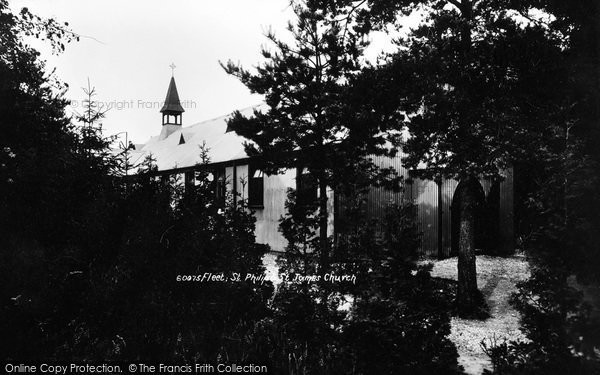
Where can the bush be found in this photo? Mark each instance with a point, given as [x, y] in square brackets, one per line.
[561, 335]
[393, 320]
[400, 319]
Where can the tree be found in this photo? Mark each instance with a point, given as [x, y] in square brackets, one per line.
[540, 58]
[393, 318]
[137, 307]
[56, 194]
[463, 77]
[400, 315]
[470, 120]
[314, 120]
[564, 190]
[36, 134]
[559, 208]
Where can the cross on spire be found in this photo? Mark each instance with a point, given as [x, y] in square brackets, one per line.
[172, 66]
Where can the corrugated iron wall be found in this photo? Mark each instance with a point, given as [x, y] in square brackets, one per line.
[424, 194]
[275, 195]
[267, 218]
[378, 197]
[434, 204]
[506, 212]
[448, 189]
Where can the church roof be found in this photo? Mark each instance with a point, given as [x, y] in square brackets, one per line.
[171, 153]
[172, 103]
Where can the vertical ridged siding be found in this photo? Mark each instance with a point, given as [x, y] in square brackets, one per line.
[378, 197]
[424, 194]
[506, 212]
[448, 189]
[267, 218]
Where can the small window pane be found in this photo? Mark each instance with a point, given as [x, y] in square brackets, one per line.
[256, 188]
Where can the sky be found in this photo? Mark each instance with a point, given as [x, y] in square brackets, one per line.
[128, 46]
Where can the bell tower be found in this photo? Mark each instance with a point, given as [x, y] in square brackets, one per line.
[171, 110]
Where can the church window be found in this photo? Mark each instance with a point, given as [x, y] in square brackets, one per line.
[220, 186]
[307, 187]
[256, 188]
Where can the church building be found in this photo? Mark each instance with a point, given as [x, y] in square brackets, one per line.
[177, 151]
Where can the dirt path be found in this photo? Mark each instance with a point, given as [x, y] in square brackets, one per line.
[496, 278]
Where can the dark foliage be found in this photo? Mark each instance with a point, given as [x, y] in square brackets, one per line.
[561, 332]
[89, 260]
[125, 302]
[558, 208]
[400, 318]
[152, 316]
[392, 319]
[315, 117]
[495, 83]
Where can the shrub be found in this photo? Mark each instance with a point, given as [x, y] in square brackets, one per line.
[393, 320]
[561, 335]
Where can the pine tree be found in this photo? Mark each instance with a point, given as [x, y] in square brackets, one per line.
[314, 118]
[474, 105]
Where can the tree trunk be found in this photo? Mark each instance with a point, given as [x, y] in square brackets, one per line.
[467, 273]
[323, 216]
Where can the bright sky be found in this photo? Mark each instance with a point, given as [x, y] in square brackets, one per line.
[130, 45]
[138, 40]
